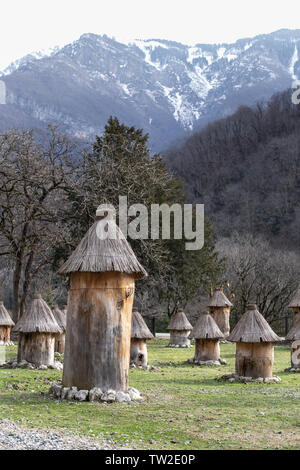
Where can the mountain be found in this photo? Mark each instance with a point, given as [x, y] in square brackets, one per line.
[167, 88]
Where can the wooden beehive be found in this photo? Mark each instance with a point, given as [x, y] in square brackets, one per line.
[219, 307]
[294, 336]
[5, 326]
[37, 329]
[61, 319]
[295, 305]
[140, 333]
[180, 329]
[254, 340]
[102, 271]
[207, 335]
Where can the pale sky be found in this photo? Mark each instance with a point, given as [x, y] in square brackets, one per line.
[30, 25]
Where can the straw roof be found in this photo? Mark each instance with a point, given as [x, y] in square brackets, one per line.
[253, 328]
[179, 322]
[295, 302]
[139, 329]
[95, 253]
[60, 317]
[5, 319]
[219, 299]
[294, 332]
[38, 318]
[206, 328]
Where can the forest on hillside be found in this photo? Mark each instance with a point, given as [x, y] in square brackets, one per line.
[246, 170]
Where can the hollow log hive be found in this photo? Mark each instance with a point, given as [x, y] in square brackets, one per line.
[254, 340]
[180, 329]
[61, 319]
[102, 271]
[140, 333]
[207, 335]
[5, 326]
[294, 336]
[219, 307]
[37, 329]
[295, 305]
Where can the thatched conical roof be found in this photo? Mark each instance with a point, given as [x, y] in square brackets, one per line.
[253, 328]
[5, 319]
[38, 318]
[179, 322]
[102, 249]
[206, 328]
[60, 317]
[295, 302]
[294, 332]
[219, 299]
[139, 329]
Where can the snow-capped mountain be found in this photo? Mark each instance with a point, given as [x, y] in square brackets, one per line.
[164, 87]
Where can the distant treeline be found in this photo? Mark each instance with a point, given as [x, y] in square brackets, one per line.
[246, 170]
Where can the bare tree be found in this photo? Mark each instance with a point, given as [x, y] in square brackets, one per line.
[259, 273]
[33, 180]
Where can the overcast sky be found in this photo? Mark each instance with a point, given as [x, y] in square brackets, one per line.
[28, 25]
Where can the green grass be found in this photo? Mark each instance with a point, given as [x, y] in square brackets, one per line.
[185, 408]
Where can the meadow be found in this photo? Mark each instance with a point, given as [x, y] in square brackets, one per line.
[184, 406]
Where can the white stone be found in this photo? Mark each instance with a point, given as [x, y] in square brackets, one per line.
[95, 394]
[64, 392]
[43, 367]
[82, 395]
[71, 393]
[122, 397]
[109, 396]
[134, 394]
[55, 390]
[23, 364]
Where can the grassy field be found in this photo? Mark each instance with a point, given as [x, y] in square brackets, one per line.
[185, 408]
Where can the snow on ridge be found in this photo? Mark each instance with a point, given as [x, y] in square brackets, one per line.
[147, 47]
[183, 111]
[32, 56]
[294, 59]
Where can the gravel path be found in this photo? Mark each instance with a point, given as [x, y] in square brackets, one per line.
[14, 437]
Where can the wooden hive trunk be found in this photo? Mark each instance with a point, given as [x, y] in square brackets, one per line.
[295, 354]
[5, 334]
[221, 315]
[138, 352]
[180, 337]
[37, 348]
[296, 315]
[254, 359]
[97, 349]
[60, 339]
[207, 350]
